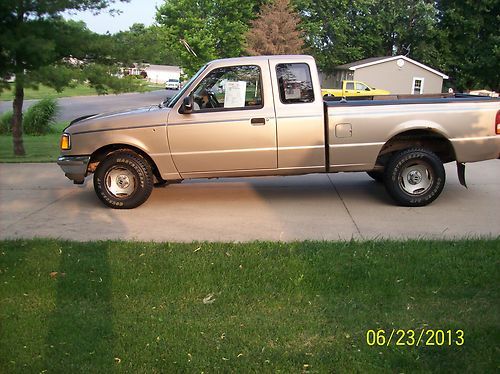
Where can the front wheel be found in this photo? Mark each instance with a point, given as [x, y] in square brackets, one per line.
[414, 177]
[123, 180]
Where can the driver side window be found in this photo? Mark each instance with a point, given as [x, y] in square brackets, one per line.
[232, 87]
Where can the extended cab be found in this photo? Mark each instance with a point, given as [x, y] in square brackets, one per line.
[265, 115]
[352, 89]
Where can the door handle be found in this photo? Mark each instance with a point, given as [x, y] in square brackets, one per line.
[258, 121]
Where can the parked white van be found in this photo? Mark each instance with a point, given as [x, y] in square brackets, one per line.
[172, 84]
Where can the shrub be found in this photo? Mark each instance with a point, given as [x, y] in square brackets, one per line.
[39, 117]
[6, 122]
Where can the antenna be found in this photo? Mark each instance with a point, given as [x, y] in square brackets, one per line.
[407, 50]
[188, 47]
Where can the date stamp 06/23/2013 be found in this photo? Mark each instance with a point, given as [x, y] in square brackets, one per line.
[415, 338]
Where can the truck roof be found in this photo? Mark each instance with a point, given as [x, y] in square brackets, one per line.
[250, 59]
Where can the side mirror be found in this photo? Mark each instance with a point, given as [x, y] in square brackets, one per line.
[187, 104]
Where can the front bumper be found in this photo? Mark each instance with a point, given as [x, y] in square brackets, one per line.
[74, 167]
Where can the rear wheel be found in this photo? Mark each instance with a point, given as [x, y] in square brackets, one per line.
[414, 177]
[123, 180]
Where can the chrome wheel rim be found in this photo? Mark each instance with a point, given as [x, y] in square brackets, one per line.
[416, 179]
[120, 182]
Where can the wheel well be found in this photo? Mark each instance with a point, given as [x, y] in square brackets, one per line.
[427, 139]
[102, 152]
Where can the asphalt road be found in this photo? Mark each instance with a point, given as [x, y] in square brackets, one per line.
[36, 200]
[74, 107]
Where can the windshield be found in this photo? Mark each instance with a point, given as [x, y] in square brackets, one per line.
[170, 103]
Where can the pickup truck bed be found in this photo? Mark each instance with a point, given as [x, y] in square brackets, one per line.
[265, 115]
[359, 139]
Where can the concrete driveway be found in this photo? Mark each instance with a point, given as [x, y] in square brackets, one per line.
[36, 200]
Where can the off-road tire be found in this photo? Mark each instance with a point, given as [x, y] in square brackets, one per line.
[126, 169]
[414, 177]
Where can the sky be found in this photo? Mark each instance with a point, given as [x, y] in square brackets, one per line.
[136, 11]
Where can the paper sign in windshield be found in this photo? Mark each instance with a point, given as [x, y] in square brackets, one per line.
[235, 94]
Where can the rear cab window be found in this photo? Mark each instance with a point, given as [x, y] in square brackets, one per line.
[295, 83]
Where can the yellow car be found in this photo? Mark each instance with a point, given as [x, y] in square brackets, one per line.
[353, 88]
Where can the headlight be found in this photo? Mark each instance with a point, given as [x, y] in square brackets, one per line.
[65, 142]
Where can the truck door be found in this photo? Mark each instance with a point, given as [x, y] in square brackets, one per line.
[349, 89]
[299, 115]
[233, 124]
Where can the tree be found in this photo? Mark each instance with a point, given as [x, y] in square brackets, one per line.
[275, 31]
[405, 26]
[143, 44]
[38, 46]
[335, 30]
[457, 37]
[202, 30]
[340, 31]
[470, 42]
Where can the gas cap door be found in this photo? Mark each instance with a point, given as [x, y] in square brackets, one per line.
[343, 130]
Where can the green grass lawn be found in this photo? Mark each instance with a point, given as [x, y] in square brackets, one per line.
[47, 92]
[43, 148]
[257, 307]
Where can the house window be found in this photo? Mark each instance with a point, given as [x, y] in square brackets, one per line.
[418, 86]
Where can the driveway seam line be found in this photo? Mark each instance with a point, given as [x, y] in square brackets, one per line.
[345, 206]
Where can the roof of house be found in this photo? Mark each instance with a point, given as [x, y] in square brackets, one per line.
[379, 60]
[360, 62]
[162, 68]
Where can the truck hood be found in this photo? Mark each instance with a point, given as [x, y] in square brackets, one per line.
[146, 116]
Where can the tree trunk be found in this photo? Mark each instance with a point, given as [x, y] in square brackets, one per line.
[17, 120]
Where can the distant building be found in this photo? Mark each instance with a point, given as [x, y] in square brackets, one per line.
[134, 69]
[397, 74]
[154, 73]
[162, 73]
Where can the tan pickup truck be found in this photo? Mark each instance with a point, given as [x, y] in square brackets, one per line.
[256, 116]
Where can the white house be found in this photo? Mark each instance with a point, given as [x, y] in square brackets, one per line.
[161, 73]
